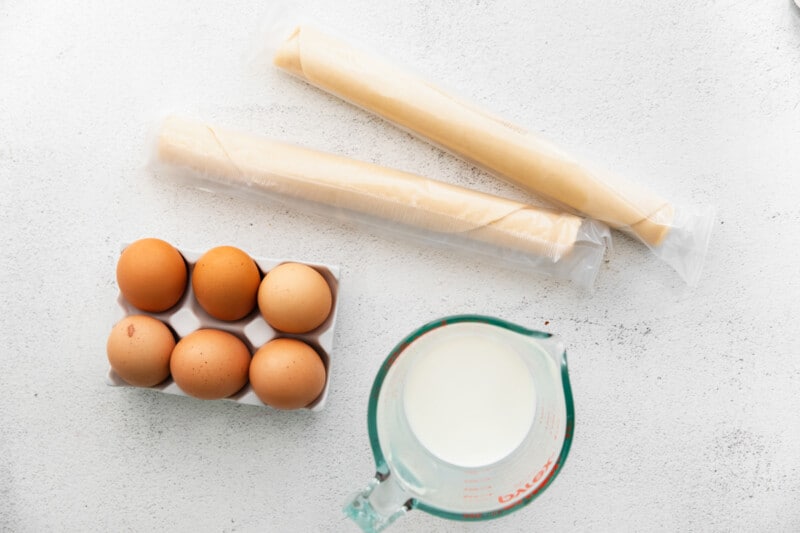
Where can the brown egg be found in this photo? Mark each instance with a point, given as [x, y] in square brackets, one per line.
[139, 348]
[294, 298]
[151, 275]
[225, 282]
[210, 364]
[287, 374]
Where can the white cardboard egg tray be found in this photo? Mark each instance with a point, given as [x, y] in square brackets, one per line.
[187, 316]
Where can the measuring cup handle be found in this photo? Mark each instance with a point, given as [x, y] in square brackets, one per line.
[379, 504]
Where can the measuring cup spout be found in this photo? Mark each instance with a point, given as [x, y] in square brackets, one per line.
[379, 504]
[555, 348]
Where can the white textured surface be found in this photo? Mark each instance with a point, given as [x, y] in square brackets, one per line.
[688, 402]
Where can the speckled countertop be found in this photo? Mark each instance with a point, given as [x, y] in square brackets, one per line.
[687, 401]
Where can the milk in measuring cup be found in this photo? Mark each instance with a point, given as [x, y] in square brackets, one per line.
[470, 418]
[470, 401]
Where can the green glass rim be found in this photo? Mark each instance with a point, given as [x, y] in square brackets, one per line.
[372, 427]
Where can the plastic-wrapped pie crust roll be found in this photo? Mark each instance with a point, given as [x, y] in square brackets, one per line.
[500, 147]
[555, 243]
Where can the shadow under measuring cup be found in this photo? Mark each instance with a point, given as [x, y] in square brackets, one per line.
[470, 418]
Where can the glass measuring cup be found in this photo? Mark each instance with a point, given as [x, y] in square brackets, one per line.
[469, 418]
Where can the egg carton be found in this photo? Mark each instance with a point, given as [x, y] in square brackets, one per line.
[187, 316]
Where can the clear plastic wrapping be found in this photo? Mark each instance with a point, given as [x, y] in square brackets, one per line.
[546, 241]
[677, 235]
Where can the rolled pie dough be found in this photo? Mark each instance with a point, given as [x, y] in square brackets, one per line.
[497, 146]
[278, 168]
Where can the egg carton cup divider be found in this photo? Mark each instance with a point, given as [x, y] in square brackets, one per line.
[187, 316]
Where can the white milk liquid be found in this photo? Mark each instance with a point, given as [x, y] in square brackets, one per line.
[469, 398]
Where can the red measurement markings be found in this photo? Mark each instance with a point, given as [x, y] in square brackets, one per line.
[478, 480]
[538, 479]
[477, 489]
[393, 357]
[477, 492]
